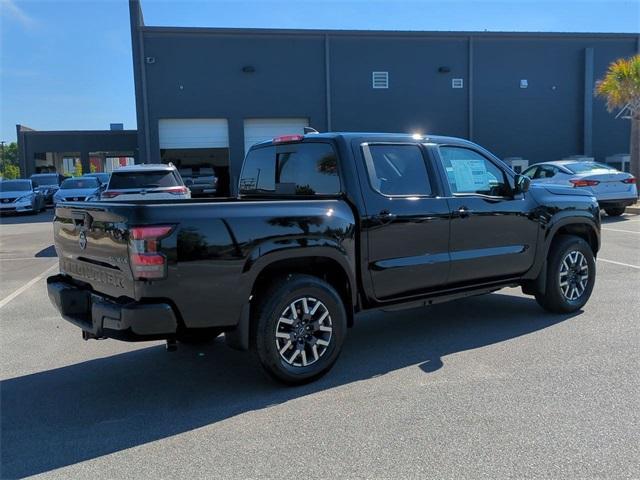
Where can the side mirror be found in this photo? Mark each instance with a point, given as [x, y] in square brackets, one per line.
[522, 183]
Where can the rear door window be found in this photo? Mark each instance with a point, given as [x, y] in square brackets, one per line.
[297, 169]
[397, 170]
[138, 180]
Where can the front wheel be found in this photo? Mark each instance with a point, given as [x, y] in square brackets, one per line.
[571, 274]
[298, 329]
[615, 211]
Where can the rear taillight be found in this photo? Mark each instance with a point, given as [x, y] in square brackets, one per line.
[177, 190]
[110, 194]
[629, 180]
[288, 138]
[584, 183]
[147, 262]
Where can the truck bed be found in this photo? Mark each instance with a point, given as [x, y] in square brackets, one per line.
[213, 253]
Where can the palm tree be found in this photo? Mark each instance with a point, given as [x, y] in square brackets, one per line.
[621, 88]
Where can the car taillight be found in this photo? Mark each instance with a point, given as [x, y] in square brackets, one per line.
[177, 190]
[629, 180]
[110, 194]
[144, 252]
[584, 183]
[288, 138]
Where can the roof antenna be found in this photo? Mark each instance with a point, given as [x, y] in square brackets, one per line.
[309, 130]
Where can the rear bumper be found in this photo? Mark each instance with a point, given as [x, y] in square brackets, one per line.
[101, 317]
[619, 202]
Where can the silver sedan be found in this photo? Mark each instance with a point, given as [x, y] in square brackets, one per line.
[614, 190]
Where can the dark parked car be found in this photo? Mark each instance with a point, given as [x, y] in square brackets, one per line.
[201, 180]
[49, 184]
[325, 226]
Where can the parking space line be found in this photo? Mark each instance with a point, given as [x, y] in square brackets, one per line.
[23, 258]
[619, 230]
[26, 286]
[618, 263]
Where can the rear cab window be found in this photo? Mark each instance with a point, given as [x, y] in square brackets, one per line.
[137, 180]
[297, 169]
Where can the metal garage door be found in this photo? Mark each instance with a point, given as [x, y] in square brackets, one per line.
[260, 129]
[193, 133]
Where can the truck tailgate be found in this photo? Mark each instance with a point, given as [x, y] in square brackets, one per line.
[92, 246]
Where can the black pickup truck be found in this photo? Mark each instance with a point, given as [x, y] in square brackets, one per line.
[324, 226]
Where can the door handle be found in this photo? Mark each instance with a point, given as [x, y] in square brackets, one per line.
[385, 216]
[464, 212]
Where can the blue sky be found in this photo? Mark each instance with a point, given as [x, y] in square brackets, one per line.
[67, 64]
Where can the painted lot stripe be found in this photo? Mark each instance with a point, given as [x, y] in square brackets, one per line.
[619, 230]
[26, 286]
[618, 263]
[22, 259]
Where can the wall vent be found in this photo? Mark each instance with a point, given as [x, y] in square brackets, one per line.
[150, 59]
[380, 79]
[457, 83]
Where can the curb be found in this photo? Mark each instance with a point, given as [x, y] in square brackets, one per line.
[633, 209]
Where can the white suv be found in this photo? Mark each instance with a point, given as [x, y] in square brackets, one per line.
[145, 182]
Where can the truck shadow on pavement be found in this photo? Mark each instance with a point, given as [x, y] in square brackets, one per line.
[76, 413]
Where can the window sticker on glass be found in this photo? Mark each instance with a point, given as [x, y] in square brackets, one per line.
[470, 175]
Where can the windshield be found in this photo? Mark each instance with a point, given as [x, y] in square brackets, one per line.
[75, 183]
[587, 167]
[125, 180]
[15, 186]
[45, 179]
[103, 177]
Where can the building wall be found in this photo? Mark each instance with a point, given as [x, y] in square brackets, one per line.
[197, 76]
[31, 142]
[326, 77]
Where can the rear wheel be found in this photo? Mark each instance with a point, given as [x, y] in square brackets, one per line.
[571, 273]
[298, 329]
[615, 211]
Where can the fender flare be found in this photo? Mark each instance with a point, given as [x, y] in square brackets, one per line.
[536, 278]
[238, 338]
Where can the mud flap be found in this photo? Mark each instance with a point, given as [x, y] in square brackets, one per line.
[238, 338]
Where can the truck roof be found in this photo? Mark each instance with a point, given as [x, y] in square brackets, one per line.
[422, 138]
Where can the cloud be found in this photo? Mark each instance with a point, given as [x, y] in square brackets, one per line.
[13, 11]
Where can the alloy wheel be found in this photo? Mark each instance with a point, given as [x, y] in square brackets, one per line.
[574, 275]
[303, 332]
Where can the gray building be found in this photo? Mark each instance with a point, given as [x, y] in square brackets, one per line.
[206, 94]
[59, 151]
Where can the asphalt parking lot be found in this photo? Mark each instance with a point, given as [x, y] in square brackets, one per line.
[488, 387]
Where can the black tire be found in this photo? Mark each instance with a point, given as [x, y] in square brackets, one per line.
[615, 211]
[554, 299]
[267, 321]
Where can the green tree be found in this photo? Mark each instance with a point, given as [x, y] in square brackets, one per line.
[621, 89]
[77, 169]
[10, 153]
[9, 165]
[10, 171]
